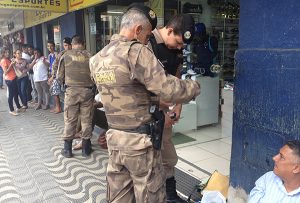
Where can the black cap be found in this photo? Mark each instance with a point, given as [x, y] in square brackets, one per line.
[188, 28]
[148, 12]
[67, 40]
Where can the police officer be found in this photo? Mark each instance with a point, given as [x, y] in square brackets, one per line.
[131, 81]
[167, 43]
[74, 71]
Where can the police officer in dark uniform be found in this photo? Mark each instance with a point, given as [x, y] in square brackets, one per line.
[167, 43]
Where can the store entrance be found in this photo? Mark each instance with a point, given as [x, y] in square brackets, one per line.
[54, 34]
[206, 123]
[103, 21]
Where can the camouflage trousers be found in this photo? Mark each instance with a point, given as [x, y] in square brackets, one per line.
[168, 153]
[134, 171]
[78, 103]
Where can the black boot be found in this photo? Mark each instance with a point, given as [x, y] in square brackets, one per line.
[67, 150]
[86, 147]
[172, 196]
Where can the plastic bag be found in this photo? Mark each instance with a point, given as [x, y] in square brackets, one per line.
[213, 197]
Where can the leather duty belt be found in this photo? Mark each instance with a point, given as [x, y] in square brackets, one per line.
[91, 87]
[143, 129]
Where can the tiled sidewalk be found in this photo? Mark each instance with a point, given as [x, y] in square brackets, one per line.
[33, 170]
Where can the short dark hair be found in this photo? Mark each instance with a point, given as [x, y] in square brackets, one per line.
[24, 46]
[4, 49]
[67, 40]
[176, 23]
[76, 39]
[184, 25]
[51, 42]
[295, 146]
[39, 51]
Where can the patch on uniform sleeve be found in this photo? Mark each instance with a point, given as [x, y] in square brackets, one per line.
[105, 77]
[187, 35]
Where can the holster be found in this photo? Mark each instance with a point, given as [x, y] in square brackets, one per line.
[157, 128]
[154, 128]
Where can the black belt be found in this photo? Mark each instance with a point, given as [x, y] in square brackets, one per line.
[143, 129]
[91, 87]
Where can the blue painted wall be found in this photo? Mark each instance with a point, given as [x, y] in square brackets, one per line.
[37, 37]
[68, 25]
[267, 87]
[79, 21]
[71, 24]
[29, 39]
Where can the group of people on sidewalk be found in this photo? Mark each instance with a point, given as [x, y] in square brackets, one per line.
[137, 75]
[142, 100]
[31, 77]
[131, 80]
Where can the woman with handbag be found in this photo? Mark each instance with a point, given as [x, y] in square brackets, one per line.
[20, 67]
[11, 82]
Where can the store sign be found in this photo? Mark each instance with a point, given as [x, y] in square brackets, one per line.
[32, 18]
[41, 5]
[80, 4]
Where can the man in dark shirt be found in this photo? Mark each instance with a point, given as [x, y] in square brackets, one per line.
[167, 43]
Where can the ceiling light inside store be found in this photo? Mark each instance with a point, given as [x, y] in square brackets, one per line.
[115, 12]
[113, 9]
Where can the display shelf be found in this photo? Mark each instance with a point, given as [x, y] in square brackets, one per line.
[228, 35]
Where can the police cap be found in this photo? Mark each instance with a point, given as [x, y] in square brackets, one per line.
[188, 28]
[148, 12]
[67, 40]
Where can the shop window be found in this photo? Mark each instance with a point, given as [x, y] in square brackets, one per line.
[221, 19]
[57, 37]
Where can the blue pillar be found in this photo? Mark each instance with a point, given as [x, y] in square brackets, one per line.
[267, 87]
[68, 25]
[79, 23]
[37, 36]
[29, 36]
[71, 24]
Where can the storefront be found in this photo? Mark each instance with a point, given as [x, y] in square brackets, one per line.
[98, 20]
[12, 30]
[101, 22]
[221, 19]
[37, 32]
[26, 19]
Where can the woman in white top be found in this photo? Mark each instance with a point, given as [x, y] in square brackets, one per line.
[40, 76]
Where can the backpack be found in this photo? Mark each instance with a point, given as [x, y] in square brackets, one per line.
[206, 52]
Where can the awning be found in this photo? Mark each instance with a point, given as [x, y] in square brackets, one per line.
[80, 4]
[36, 12]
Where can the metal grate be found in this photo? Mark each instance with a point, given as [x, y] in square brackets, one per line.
[185, 184]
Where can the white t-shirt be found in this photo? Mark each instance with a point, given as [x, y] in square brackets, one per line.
[40, 70]
[26, 57]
